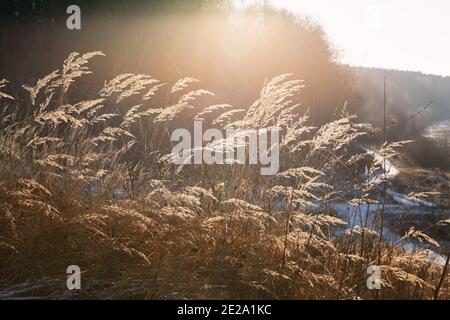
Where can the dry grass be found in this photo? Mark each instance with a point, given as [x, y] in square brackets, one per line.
[89, 183]
[421, 180]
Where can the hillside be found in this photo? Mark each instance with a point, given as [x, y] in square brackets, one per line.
[406, 93]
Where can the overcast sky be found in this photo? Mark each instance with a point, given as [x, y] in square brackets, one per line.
[397, 34]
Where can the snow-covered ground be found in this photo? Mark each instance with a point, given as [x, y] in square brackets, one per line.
[363, 215]
[439, 130]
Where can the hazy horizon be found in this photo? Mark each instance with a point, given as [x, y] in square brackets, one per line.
[371, 33]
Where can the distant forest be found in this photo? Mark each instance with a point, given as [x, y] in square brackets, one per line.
[406, 94]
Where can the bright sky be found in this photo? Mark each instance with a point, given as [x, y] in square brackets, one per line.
[409, 35]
